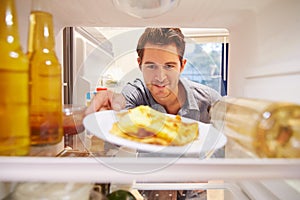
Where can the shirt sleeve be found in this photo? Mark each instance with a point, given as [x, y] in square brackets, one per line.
[135, 94]
[214, 95]
[205, 97]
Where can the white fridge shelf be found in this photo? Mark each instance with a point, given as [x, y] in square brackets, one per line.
[144, 170]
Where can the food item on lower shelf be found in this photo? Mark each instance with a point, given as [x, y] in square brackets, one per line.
[120, 195]
[146, 125]
[51, 191]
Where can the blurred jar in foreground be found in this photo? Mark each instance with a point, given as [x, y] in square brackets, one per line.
[14, 109]
[73, 128]
[45, 81]
[52, 191]
[266, 128]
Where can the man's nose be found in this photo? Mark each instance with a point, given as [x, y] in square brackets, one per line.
[160, 74]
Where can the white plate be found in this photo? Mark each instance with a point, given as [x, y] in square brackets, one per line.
[209, 139]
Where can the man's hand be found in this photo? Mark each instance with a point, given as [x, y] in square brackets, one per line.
[106, 100]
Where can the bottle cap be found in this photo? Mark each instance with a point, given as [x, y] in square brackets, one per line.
[100, 89]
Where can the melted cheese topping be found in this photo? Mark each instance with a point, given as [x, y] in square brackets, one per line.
[146, 125]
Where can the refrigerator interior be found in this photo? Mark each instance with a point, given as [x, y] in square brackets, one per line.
[106, 57]
[263, 62]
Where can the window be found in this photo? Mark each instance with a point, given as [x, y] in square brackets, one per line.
[207, 55]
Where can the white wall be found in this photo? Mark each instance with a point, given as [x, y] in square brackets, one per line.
[265, 54]
[242, 42]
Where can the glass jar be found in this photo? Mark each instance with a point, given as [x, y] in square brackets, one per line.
[52, 191]
[266, 128]
[74, 131]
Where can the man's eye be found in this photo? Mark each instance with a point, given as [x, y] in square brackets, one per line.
[150, 66]
[168, 67]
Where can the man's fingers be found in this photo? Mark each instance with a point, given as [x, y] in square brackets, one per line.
[99, 102]
[106, 100]
[118, 102]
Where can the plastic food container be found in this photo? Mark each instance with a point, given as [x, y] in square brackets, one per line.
[74, 131]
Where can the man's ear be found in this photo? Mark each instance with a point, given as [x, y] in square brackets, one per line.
[139, 60]
[183, 62]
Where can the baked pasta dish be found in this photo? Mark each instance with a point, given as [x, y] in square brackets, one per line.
[146, 125]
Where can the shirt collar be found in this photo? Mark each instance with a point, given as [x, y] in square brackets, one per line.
[191, 103]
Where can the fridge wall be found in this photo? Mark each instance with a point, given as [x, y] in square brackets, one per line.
[264, 60]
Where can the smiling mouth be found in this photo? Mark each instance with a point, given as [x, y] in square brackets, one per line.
[159, 86]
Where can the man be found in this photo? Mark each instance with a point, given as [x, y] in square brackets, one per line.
[160, 58]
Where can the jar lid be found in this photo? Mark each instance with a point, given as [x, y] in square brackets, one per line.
[100, 89]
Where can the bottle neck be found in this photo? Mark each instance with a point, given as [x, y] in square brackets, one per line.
[41, 36]
[9, 34]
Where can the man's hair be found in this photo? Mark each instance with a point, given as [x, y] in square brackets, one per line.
[162, 36]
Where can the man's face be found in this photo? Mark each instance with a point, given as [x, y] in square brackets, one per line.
[161, 69]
